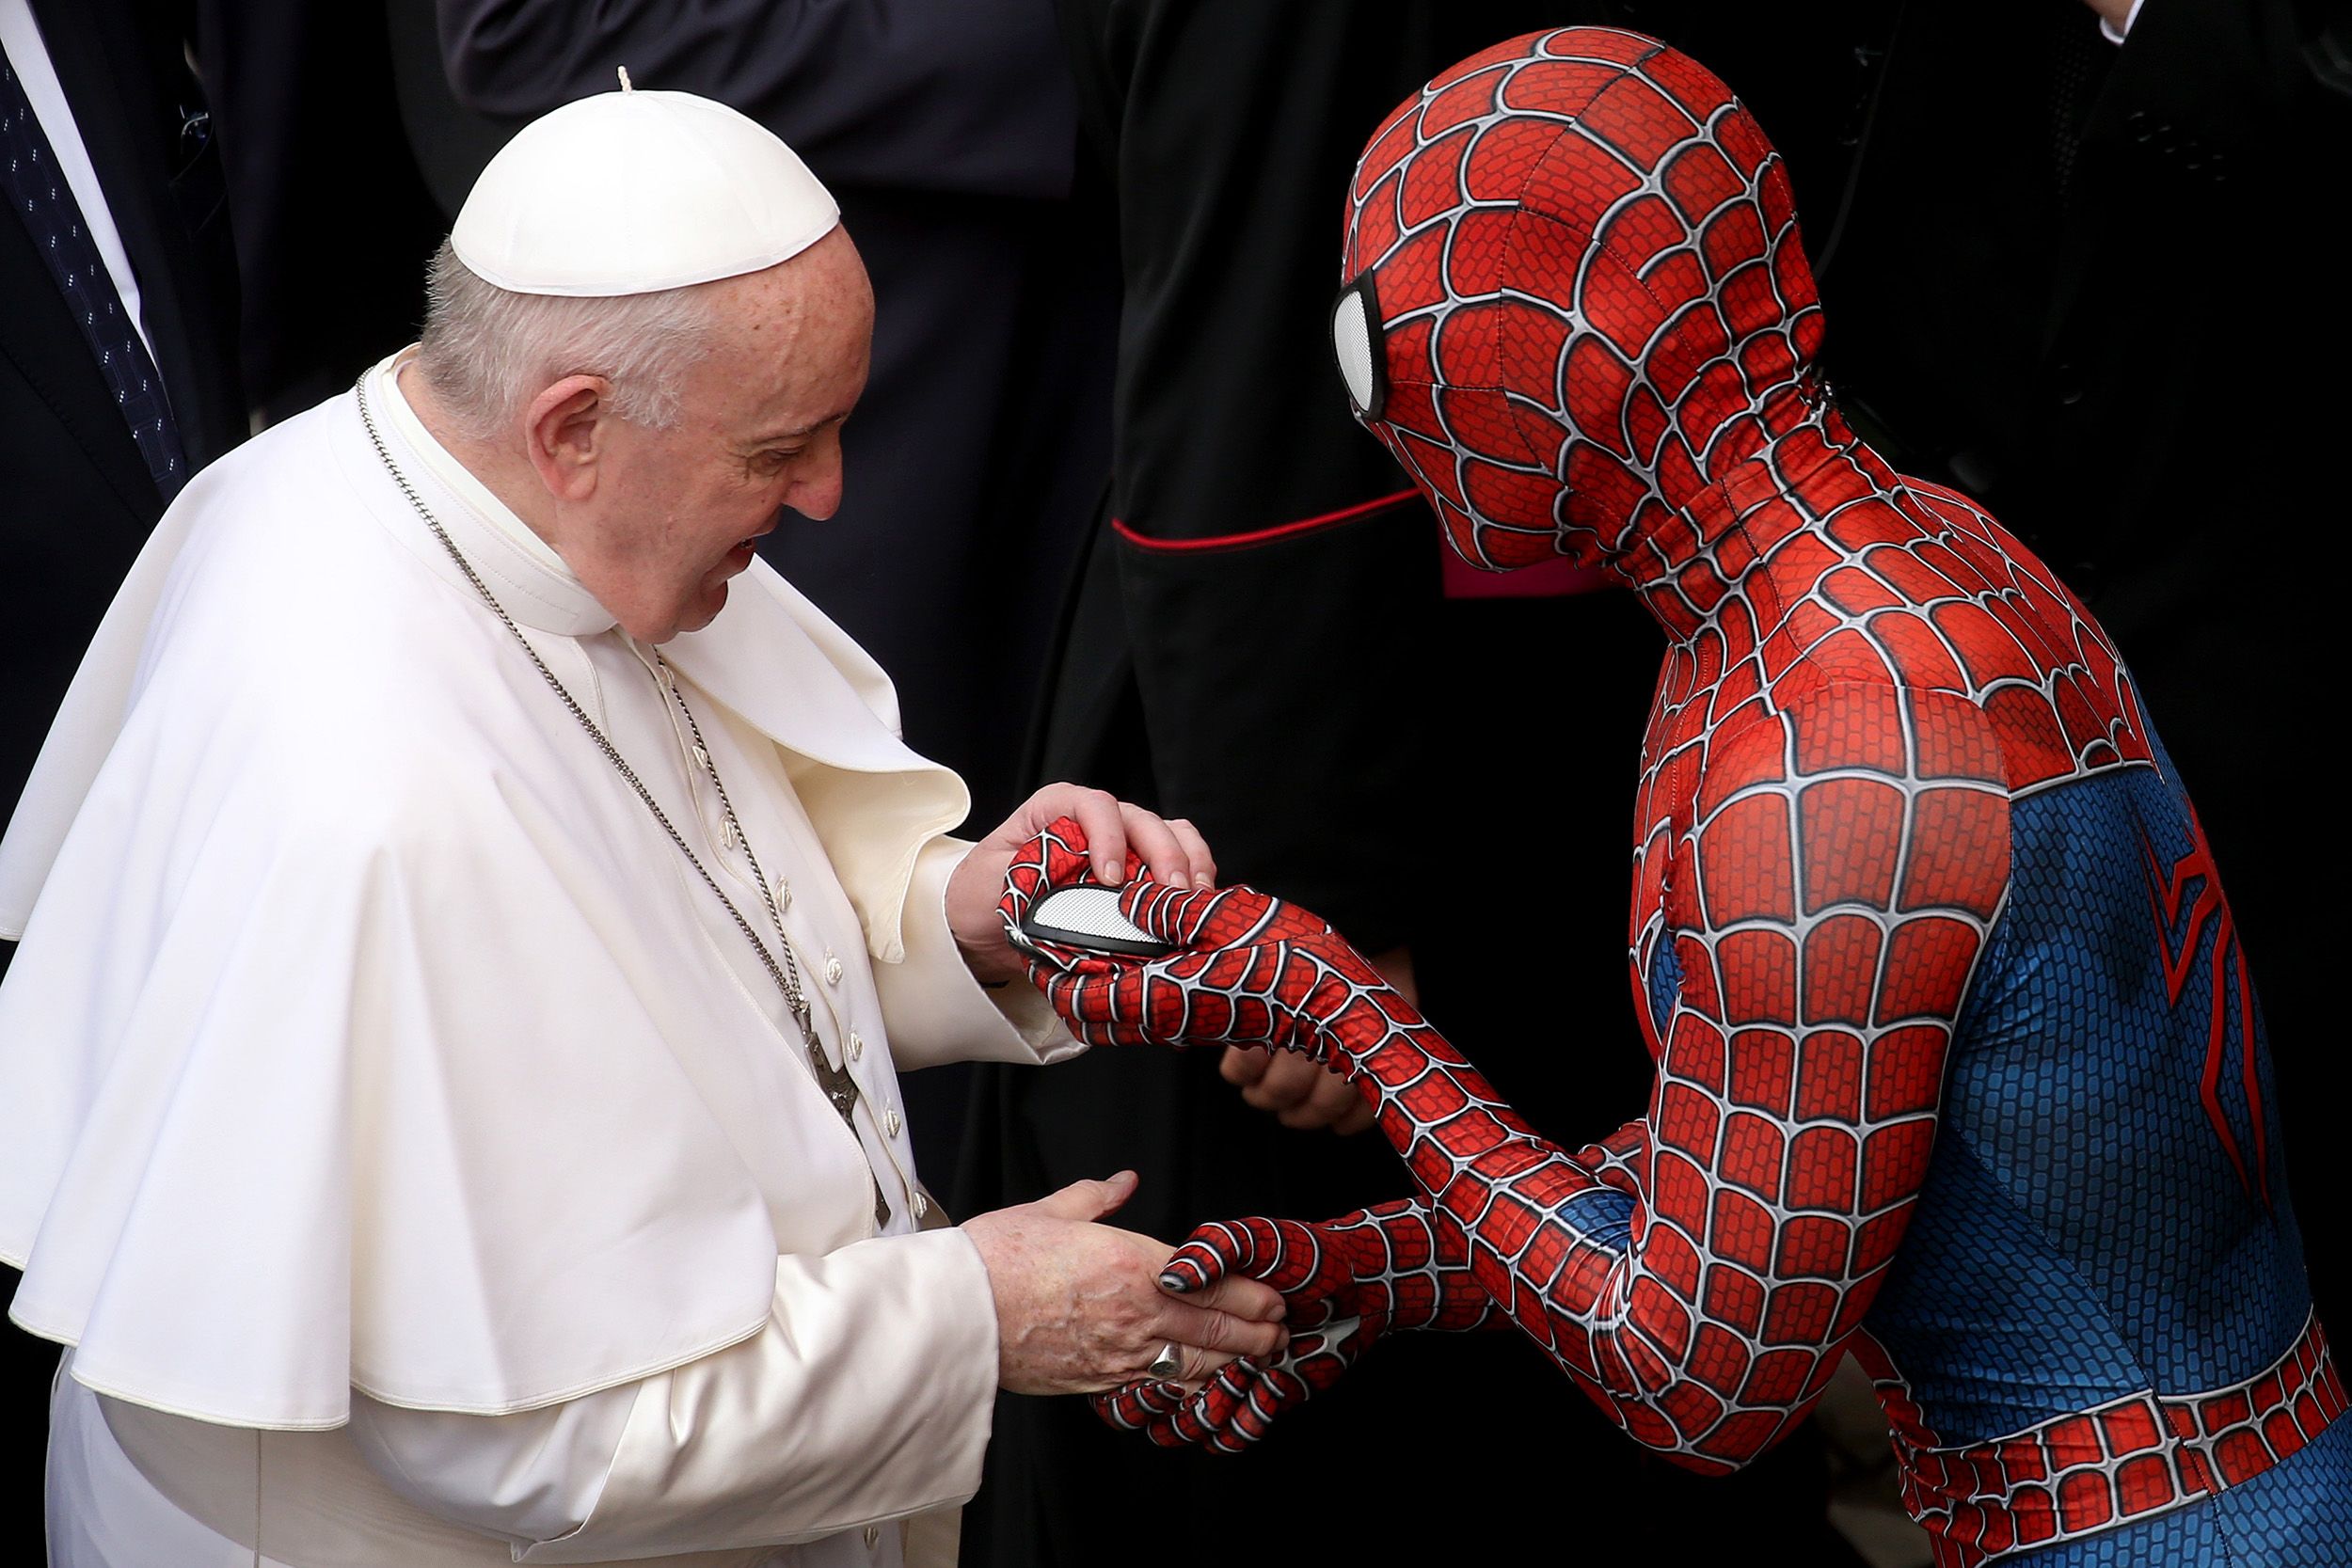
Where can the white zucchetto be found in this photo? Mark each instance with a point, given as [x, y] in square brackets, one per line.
[631, 193]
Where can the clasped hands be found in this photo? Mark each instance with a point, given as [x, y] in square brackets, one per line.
[1083, 1307]
[1249, 970]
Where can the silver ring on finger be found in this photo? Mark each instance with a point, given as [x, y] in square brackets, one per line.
[1166, 1364]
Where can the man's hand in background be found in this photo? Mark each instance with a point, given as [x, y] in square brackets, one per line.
[1294, 1088]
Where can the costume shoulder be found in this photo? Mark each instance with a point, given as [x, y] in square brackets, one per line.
[333, 1055]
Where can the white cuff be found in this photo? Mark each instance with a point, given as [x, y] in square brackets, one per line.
[2113, 34]
[933, 1008]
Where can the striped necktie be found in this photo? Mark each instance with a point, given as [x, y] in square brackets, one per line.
[36, 189]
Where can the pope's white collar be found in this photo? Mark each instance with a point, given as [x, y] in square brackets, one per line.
[530, 580]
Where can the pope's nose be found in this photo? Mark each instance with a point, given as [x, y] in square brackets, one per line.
[818, 495]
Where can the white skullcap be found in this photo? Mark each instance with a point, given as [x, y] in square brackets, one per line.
[629, 193]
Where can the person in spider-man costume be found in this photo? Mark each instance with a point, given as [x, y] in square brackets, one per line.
[1959, 1064]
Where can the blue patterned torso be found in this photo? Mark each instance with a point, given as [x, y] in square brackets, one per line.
[2090, 1226]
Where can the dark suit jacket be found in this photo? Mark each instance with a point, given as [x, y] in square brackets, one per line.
[333, 221]
[75, 498]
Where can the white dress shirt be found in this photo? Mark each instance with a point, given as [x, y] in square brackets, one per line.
[2113, 34]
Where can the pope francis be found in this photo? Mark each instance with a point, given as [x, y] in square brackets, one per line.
[472, 914]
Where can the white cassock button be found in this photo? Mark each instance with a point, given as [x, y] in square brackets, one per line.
[857, 1045]
[833, 969]
[922, 1206]
[873, 1534]
[891, 1124]
[702, 759]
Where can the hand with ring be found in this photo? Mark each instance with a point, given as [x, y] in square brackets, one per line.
[1080, 1306]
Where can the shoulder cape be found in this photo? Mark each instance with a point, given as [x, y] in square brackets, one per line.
[339, 1050]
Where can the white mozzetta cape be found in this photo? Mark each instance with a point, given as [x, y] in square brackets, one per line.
[366, 1031]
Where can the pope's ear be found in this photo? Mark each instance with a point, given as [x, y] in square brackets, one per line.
[561, 431]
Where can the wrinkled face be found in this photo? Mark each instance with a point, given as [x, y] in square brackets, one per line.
[675, 512]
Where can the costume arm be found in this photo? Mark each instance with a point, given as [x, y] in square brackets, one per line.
[1833, 875]
[866, 1396]
[1618, 1159]
[972, 97]
[1348, 1283]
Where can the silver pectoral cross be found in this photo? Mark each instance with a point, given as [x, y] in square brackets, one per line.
[838, 1085]
[841, 1089]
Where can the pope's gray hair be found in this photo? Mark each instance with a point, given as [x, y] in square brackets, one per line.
[487, 351]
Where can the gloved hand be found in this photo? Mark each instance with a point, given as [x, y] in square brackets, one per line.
[1249, 969]
[1347, 1283]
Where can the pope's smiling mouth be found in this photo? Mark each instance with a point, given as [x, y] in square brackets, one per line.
[751, 541]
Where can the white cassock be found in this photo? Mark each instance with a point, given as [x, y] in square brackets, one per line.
[421, 1162]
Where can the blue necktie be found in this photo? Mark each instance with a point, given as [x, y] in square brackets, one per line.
[35, 188]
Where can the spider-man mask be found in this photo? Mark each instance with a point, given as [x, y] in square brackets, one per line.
[1575, 294]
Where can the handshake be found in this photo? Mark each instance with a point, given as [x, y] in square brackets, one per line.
[1298, 1301]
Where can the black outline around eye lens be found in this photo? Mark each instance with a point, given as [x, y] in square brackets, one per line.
[1374, 342]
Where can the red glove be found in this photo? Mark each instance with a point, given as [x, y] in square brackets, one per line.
[1348, 1283]
[1250, 969]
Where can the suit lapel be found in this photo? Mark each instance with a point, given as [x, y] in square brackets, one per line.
[40, 340]
[104, 68]
[2186, 72]
[2083, 227]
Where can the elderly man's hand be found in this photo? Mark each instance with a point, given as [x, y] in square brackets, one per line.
[1119, 837]
[1080, 1308]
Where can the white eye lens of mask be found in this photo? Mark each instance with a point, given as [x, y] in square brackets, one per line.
[1354, 327]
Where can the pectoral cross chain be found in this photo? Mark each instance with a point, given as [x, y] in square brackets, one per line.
[841, 1089]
